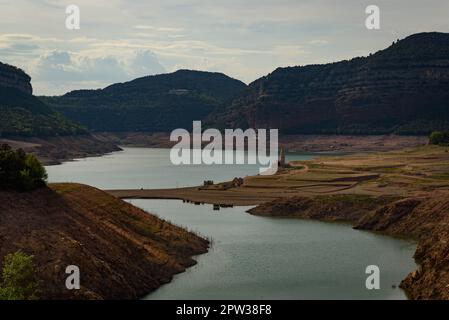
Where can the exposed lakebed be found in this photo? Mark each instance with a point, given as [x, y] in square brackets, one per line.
[251, 257]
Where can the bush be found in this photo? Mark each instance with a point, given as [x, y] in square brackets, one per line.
[19, 278]
[19, 170]
[439, 138]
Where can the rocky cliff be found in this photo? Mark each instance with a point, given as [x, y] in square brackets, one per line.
[12, 77]
[402, 89]
[22, 114]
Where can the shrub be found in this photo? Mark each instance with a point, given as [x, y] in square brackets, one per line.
[439, 138]
[19, 170]
[19, 278]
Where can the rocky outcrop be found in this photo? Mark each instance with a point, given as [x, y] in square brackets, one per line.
[12, 77]
[22, 114]
[402, 89]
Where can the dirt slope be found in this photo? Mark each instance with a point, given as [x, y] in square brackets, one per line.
[122, 251]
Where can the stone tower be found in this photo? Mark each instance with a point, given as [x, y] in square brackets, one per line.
[282, 157]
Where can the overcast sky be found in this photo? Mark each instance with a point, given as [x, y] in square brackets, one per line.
[123, 39]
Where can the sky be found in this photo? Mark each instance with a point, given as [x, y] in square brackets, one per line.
[120, 40]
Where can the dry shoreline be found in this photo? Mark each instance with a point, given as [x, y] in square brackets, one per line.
[122, 251]
[292, 143]
[400, 193]
[55, 150]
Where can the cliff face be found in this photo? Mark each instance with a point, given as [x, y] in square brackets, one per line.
[402, 89]
[122, 252]
[22, 114]
[12, 77]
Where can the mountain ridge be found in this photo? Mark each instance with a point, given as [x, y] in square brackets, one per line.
[153, 103]
[402, 89]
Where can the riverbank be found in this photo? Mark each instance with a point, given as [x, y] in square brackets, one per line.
[122, 251]
[291, 143]
[402, 173]
[424, 218]
[55, 150]
[401, 193]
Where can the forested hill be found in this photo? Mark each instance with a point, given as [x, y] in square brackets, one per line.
[22, 114]
[153, 103]
[403, 89]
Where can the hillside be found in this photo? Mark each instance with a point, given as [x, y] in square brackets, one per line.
[403, 89]
[122, 251]
[153, 103]
[22, 114]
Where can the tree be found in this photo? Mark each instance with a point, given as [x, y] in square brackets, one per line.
[439, 138]
[19, 170]
[19, 278]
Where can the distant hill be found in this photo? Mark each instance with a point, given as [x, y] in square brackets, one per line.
[153, 103]
[403, 89]
[22, 114]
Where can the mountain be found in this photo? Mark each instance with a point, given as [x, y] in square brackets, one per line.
[22, 114]
[403, 89]
[153, 103]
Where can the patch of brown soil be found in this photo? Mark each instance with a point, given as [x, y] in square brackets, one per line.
[292, 143]
[122, 251]
[54, 150]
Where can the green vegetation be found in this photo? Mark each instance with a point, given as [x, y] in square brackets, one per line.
[439, 138]
[20, 171]
[154, 103]
[383, 93]
[23, 114]
[19, 280]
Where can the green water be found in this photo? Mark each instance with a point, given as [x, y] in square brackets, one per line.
[251, 257]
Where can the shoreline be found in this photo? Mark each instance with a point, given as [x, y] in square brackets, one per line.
[399, 193]
[292, 143]
[55, 150]
[122, 251]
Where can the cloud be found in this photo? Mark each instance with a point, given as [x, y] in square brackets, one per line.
[64, 68]
[318, 42]
[144, 62]
[122, 39]
[162, 29]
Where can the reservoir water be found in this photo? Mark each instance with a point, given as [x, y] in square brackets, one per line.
[251, 257]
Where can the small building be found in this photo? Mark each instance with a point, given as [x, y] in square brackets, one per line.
[178, 92]
[237, 182]
[208, 183]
